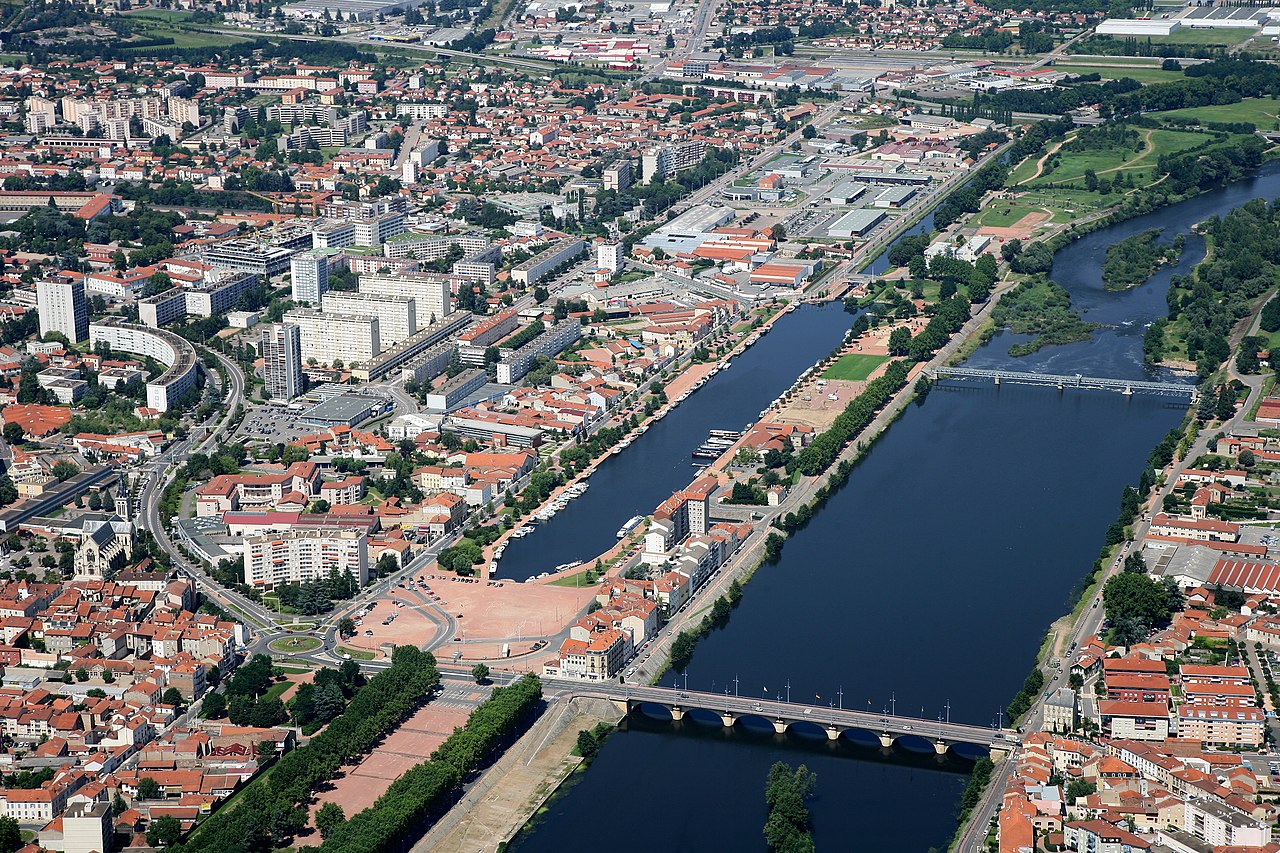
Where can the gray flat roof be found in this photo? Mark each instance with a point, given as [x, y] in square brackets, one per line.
[347, 409]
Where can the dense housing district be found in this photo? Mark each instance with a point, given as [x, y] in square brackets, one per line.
[324, 323]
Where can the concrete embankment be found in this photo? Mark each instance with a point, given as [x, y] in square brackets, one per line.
[518, 784]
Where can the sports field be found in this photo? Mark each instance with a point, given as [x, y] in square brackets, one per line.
[854, 367]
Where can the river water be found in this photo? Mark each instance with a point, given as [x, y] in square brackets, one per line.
[925, 585]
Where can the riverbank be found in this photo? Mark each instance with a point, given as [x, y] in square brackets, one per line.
[520, 783]
[680, 379]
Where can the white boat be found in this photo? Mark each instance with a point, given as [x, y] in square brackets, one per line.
[631, 525]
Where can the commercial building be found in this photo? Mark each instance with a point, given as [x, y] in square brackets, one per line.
[63, 308]
[298, 556]
[329, 337]
[532, 271]
[513, 366]
[248, 256]
[282, 361]
[659, 162]
[431, 292]
[855, 223]
[397, 314]
[689, 230]
[310, 274]
[165, 347]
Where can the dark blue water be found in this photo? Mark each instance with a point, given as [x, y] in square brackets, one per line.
[881, 264]
[659, 462]
[927, 581]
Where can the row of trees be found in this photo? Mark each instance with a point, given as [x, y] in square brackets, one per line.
[1242, 266]
[823, 450]
[272, 809]
[431, 785]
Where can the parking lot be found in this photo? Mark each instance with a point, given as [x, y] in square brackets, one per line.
[273, 424]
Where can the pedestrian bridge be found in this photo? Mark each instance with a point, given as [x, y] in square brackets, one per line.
[784, 715]
[1124, 386]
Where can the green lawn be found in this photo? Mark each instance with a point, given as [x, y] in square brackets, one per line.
[276, 690]
[171, 15]
[290, 645]
[356, 654]
[855, 366]
[1206, 36]
[1141, 73]
[1263, 112]
[182, 37]
[577, 579]
[1002, 214]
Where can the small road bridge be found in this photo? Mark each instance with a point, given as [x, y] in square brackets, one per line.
[1124, 386]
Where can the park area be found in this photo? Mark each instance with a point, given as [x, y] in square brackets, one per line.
[1119, 70]
[1262, 112]
[358, 787]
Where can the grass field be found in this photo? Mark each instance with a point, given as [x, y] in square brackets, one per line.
[182, 36]
[577, 579]
[1188, 35]
[1141, 73]
[356, 654]
[275, 690]
[289, 645]
[854, 367]
[1263, 112]
[1109, 163]
[1002, 214]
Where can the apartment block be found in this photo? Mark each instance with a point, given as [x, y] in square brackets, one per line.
[534, 269]
[397, 314]
[63, 308]
[432, 293]
[552, 342]
[298, 556]
[663, 161]
[310, 275]
[331, 337]
[282, 361]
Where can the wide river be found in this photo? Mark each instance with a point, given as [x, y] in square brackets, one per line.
[927, 582]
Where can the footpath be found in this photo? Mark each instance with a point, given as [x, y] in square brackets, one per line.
[518, 784]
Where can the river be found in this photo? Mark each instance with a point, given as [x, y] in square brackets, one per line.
[927, 581]
[659, 462]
